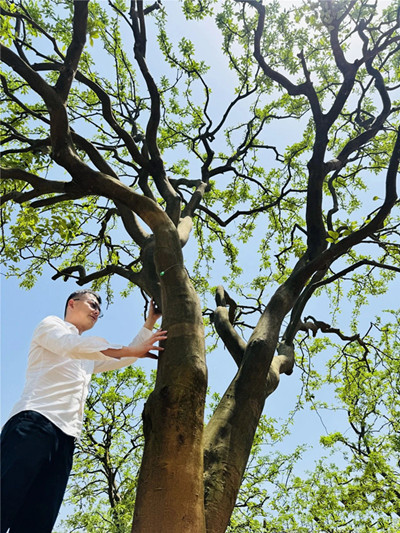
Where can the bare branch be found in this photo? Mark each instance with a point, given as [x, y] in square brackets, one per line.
[292, 89]
[184, 228]
[131, 224]
[40, 185]
[18, 197]
[46, 202]
[157, 169]
[223, 320]
[300, 304]
[355, 266]
[282, 363]
[319, 325]
[75, 49]
[82, 278]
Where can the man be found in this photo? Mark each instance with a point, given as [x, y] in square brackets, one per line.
[37, 441]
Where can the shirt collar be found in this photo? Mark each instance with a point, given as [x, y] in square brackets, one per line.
[72, 327]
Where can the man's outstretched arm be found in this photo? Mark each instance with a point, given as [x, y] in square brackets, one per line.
[139, 350]
[142, 348]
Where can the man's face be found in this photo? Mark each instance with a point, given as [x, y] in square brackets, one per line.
[83, 311]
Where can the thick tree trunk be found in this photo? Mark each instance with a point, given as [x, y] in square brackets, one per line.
[228, 440]
[230, 432]
[170, 494]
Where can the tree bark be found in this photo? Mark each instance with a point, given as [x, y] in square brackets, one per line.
[170, 496]
[229, 434]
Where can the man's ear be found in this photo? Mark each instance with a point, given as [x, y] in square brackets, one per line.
[70, 304]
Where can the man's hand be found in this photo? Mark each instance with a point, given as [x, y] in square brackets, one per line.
[153, 316]
[145, 347]
[139, 350]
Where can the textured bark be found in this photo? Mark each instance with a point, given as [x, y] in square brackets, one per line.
[230, 433]
[170, 496]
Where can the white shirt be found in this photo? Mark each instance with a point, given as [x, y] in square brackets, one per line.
[60, 365]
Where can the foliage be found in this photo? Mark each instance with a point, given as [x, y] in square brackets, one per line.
[285, 174]
[104, 478]
[356, 486]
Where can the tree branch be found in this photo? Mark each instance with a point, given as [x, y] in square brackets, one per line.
[35, 81]
[157, 166]
[376, 124]
[306, 267]
[223, 320]
[82, 278]
[319, 325]
[132, 226]
[71, 62]
[338, 249]
[40, 185]
[340, 60]
[300, 304]
[21, 104]
[106, 109]
[31, 22]
[46, 202]
[355, 266]
[291, 88]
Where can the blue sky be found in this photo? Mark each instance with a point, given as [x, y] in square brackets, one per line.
[21, 311]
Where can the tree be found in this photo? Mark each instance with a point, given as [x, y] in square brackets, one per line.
[103, 481]
[307, 202]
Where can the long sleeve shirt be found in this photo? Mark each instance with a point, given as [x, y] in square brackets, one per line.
[60, 366]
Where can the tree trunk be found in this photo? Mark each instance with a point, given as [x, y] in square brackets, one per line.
[230, 432]
[170, 495]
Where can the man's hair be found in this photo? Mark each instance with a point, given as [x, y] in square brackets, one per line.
[79, 293]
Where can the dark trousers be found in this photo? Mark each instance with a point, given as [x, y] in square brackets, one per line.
[36, 459]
